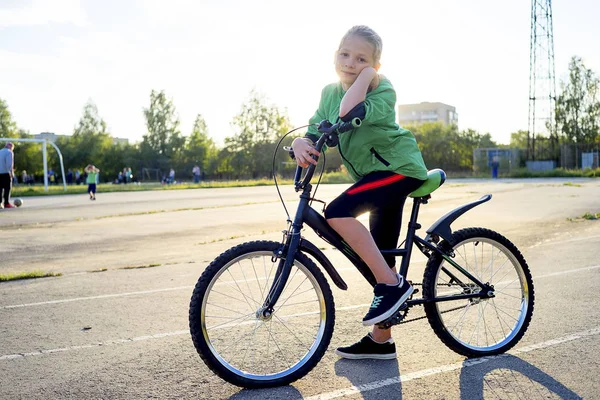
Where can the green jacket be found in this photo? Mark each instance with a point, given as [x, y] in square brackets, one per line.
[379, 144]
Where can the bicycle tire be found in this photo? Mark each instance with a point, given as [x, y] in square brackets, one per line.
[488, 243]
[208, 345]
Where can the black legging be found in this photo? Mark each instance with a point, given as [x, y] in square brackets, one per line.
[383, 195]
[5, 187]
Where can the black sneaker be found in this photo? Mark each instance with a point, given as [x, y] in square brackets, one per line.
[387, 300]
[367, 348]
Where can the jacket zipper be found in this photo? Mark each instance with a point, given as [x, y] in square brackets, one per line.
[378, 156]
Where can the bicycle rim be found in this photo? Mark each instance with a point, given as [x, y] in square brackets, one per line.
[251, 347]
[484, 325]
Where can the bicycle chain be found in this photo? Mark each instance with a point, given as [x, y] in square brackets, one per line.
[405, 311]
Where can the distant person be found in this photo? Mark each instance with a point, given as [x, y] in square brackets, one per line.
[196, 172]
[69, 177]
[24, 177]
[51, 177]
[495, 165]
[92, 180]
[7, 171]
[172, 176]
[77, 177]
[128, 175]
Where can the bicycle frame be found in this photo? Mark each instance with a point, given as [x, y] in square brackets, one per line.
[305, 214]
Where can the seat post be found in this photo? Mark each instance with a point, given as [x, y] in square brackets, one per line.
[410, 235]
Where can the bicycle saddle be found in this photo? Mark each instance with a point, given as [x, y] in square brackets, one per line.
[435, 179]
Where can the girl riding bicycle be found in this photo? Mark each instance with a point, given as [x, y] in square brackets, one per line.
[386, 164]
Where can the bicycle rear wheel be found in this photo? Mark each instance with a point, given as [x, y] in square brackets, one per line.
[479, 327]
[229, 333]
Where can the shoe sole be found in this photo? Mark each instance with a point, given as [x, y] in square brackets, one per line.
[366, 356]
[391, 311]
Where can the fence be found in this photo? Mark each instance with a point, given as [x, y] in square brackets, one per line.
[579, 156]
[484, 159]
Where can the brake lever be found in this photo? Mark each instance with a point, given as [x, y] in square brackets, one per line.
[290, 151]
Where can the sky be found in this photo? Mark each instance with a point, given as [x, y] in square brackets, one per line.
[208, 55]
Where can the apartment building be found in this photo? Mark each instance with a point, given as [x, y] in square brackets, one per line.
[416, 114]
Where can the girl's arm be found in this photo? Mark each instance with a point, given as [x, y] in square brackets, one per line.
[367, 80]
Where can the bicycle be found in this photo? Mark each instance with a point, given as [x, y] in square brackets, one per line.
[262, 313]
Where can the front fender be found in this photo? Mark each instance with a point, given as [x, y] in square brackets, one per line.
[309, 248]
[441, 227]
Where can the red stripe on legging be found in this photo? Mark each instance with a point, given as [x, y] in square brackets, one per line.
[376, 184]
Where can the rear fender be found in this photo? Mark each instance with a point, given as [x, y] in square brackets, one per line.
[441, 227]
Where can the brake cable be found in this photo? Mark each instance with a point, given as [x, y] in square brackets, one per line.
[273, 167]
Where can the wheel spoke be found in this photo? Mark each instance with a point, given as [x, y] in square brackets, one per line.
[247, 283]
[256, 326]
[239, 289]
[290, 331]
[461, 318]
[301, 302]
[292, 295]
[498, 270]
[226, 295]
[233, 320]
[225, 308]
[262, 296]
[504, 287]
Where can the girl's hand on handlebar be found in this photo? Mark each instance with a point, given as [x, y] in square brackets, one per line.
[303, 151]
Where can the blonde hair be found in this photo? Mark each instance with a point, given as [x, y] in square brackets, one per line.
[370, 36]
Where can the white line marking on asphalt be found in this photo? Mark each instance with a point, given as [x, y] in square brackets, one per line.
[447, 368]
[561, 241]
[567, 272]
[88, 346]
[106, 296]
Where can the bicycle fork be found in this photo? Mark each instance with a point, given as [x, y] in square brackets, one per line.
[286, 255]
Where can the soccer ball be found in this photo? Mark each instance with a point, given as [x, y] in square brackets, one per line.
[18, 202]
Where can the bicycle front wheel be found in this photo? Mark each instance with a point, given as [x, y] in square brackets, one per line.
[233, 338]
[478, 327]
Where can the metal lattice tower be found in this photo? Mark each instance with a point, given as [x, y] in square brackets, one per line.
[542, 84]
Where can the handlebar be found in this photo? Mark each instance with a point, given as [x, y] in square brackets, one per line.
[329, 135]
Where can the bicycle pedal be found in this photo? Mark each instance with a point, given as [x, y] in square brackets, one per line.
[391, 321]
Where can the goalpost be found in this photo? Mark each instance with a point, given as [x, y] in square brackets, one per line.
[45, 157]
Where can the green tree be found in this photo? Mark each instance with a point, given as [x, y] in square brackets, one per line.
[578, 107]
[199, 147]
[258, 126]
[444, 146]
[8, 128]
[28, 156]
[163, 137]
[519, 139]
[89, 144]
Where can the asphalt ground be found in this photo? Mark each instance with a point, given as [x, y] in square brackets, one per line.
[123, 333]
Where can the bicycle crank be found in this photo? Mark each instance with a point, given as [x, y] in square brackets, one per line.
[398, 316]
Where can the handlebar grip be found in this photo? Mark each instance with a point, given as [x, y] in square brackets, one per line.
[347, 126]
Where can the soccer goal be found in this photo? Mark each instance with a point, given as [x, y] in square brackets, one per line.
[44, 156]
